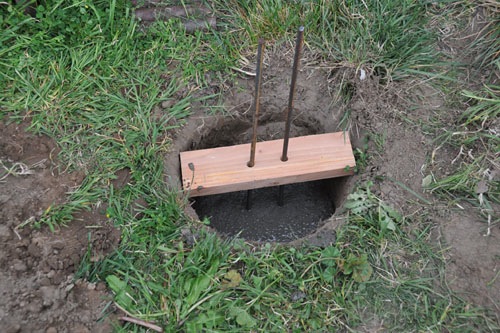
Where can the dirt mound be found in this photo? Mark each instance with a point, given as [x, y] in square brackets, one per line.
[37, 284]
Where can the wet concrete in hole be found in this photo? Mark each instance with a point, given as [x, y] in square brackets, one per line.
[306, 206]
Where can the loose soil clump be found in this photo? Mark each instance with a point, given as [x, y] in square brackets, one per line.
[38, 287]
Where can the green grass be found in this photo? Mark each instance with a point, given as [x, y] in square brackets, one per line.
[472, 178]
[386, 36]
[85, 74]
[371, 274]
[93, 81]
[487, 47]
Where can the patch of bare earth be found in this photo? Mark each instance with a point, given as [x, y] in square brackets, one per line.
[37, 286]
[409, 154]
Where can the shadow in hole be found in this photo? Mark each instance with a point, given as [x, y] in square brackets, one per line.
[306, 206]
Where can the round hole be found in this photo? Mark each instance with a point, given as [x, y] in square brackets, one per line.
[256, 215]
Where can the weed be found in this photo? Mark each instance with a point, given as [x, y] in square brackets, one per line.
[380, 139]
[363, 202]
[215, 285]
[479, 145]
[362, 153]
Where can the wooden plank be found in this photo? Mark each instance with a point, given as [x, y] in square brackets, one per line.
[222, 170]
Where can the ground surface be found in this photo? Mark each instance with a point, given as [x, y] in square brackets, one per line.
[384, 122]
[37, 288]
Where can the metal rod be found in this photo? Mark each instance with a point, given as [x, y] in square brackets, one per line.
[289, 109]
[249, 200]
[298, 47]
[281, 195]
[253, 145]
[258, 77]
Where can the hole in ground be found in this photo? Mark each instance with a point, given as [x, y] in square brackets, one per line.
[307, 206]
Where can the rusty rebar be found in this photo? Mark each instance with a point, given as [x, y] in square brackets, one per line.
[249, 200]
[253, 145]
[256, 106]
[281, 195]
[296, 58]
[289, 109]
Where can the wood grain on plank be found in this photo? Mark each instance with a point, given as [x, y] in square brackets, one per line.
[222, 170]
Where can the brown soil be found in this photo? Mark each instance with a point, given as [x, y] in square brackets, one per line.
[37, 285]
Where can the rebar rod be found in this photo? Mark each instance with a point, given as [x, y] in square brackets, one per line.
[298, 47]
[281, 195]
[258, 76]
[253, 145]
[289, 109]
[249, 200]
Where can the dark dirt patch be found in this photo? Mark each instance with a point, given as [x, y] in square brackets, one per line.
[37, 284]
[473, 268]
